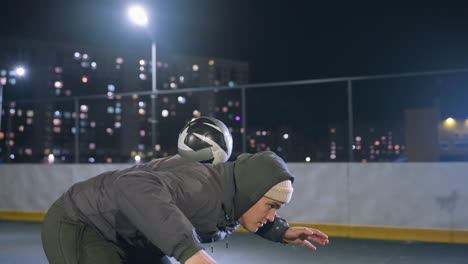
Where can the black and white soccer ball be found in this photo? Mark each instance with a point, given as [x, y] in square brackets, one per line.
[205, 139]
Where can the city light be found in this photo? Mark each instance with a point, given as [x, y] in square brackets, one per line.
[181, 100]
[20, 71]
[138, 15]
[307, 159]
[449, 123]
[165, 113]
[137, 158]
[285, 136]
[51, 158]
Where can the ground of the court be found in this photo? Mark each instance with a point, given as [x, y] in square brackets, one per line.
[20, 243]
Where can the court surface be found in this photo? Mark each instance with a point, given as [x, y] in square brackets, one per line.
[20, 243]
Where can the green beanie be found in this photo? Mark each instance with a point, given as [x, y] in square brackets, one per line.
[256, 174]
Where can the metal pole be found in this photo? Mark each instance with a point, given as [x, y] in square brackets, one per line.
[244, 120]
[350, 121]
[1, 105]
[154, 96]
[77, 131]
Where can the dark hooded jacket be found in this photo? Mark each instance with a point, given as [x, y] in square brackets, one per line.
[175, 204]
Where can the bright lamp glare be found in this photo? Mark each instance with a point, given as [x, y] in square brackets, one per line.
[138, 15]
[20, 71]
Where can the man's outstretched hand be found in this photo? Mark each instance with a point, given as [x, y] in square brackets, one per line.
[302, 235]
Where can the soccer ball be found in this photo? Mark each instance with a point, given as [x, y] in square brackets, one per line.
[205, 139]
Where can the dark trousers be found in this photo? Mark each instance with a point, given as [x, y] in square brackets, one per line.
[69, 242]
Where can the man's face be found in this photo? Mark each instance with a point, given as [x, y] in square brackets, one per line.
[262, 212]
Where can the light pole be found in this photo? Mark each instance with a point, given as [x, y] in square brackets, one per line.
[138, 16]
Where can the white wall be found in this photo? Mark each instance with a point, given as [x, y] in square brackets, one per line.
[425, 195]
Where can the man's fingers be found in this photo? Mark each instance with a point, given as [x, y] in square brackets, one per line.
[319, 234]
[309, 245]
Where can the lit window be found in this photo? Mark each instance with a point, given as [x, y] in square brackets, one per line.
[84, 64]
[58, 70]
[225, 109]
[57, 92]
[110, 131]
[196, 113]
[142, 133]
[57, 122]
[231, 84]
[141, 104]
[30, 113]
[3, 81]
[377, 143]
[211, 62]
[118, 110]
[12, 81]
[119, 60]
[91, 160]
[141, 111]
[93, 65]
[58, 84]
[50, 158]
[333, 130]
[173, 85]
[2, 135]
[142, 76]
[230, 103]
[117, 124]
[110, 110]
[92, 146]
[84, 108]
[307, 159]
[84, 79]
[237, 118]
[165, 99]
[77, 55]
[142, 62]
[358, 138]
[57, 129]
[109, 160]
[85, 56]
[332, 157]
[157, 147]
[29, 121]
[165, 113]
[21, 128]
[264, 133]
[110, 95]
[285, 136]
[83, 116]
[111, 88]
[142, 68]
[181, 99]
[28, 151]
[195, 68]
[181, 79]
[68, 92]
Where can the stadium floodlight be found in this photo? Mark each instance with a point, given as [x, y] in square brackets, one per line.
[138, 15]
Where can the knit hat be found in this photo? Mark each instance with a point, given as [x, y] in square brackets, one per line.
[254, 175]
[281, 192]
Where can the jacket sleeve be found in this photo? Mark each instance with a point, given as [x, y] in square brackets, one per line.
[149, 204]
[275, 230]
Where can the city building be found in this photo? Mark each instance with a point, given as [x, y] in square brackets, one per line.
[111, 122]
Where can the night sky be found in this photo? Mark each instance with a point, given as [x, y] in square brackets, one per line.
[281, 40]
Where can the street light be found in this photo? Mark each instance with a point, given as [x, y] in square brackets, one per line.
[138, 16]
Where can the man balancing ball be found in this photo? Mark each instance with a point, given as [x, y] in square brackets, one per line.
[168, 207]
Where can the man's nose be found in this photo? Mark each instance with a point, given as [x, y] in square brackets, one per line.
[271, 216]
